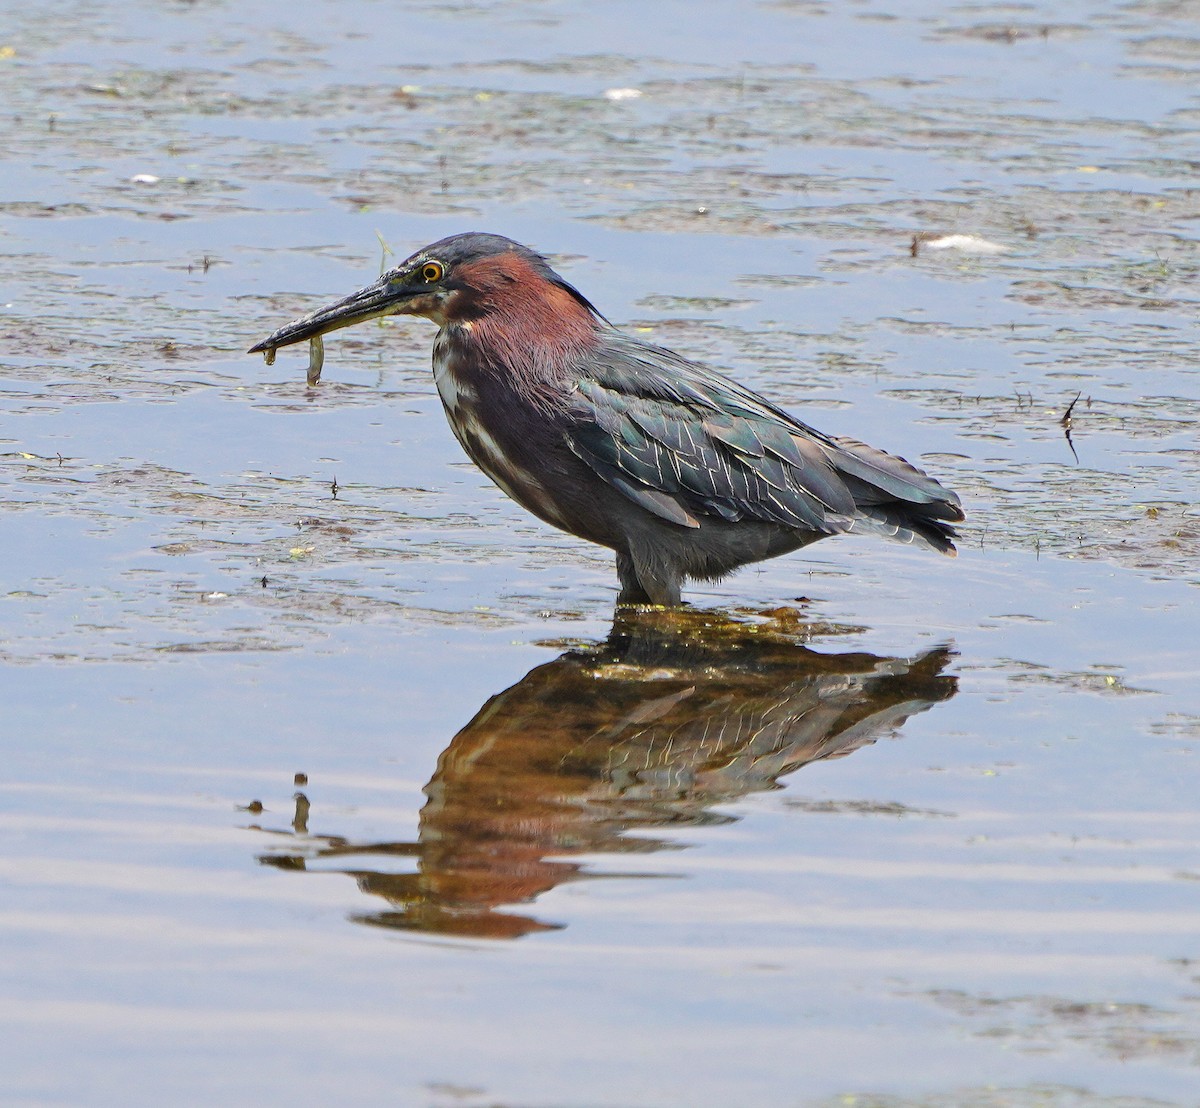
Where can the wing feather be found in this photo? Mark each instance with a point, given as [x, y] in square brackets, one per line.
[684, 450]
[686, 443]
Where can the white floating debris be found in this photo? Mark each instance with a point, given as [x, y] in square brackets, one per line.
[622, 93]
[964, 244]
[145, 179]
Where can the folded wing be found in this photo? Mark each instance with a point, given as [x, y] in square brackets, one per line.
[687, 444]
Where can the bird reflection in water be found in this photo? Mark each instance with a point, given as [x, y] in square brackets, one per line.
[673, 715]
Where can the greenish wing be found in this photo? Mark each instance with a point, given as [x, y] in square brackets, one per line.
[686, 443]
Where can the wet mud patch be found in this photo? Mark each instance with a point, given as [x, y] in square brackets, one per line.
[1001, 1096]
[1104, 679]
[1127, 1032]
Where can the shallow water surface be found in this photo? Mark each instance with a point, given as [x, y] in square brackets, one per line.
[328, 773]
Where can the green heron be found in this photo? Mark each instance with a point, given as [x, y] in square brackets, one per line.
[681, 471]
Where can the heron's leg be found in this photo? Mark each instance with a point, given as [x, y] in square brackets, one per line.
[631, 588]
[645, 584]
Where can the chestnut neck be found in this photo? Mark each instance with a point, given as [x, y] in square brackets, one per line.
[520, 323]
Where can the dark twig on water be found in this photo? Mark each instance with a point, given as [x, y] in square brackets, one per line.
[1066, 424]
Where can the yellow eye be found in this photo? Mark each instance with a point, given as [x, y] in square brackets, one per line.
[432, 271]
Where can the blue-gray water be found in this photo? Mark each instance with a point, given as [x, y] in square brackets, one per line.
[966, 878]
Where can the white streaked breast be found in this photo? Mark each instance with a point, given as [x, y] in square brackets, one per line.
[453, 390]
[518, 483]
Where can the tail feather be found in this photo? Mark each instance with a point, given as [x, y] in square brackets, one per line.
[895, 499]
[877, 479]
[905, 526]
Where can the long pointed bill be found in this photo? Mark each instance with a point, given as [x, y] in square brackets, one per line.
[380, 299]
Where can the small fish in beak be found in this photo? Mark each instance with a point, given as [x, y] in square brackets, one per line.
[396, 292]
[316, 359]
